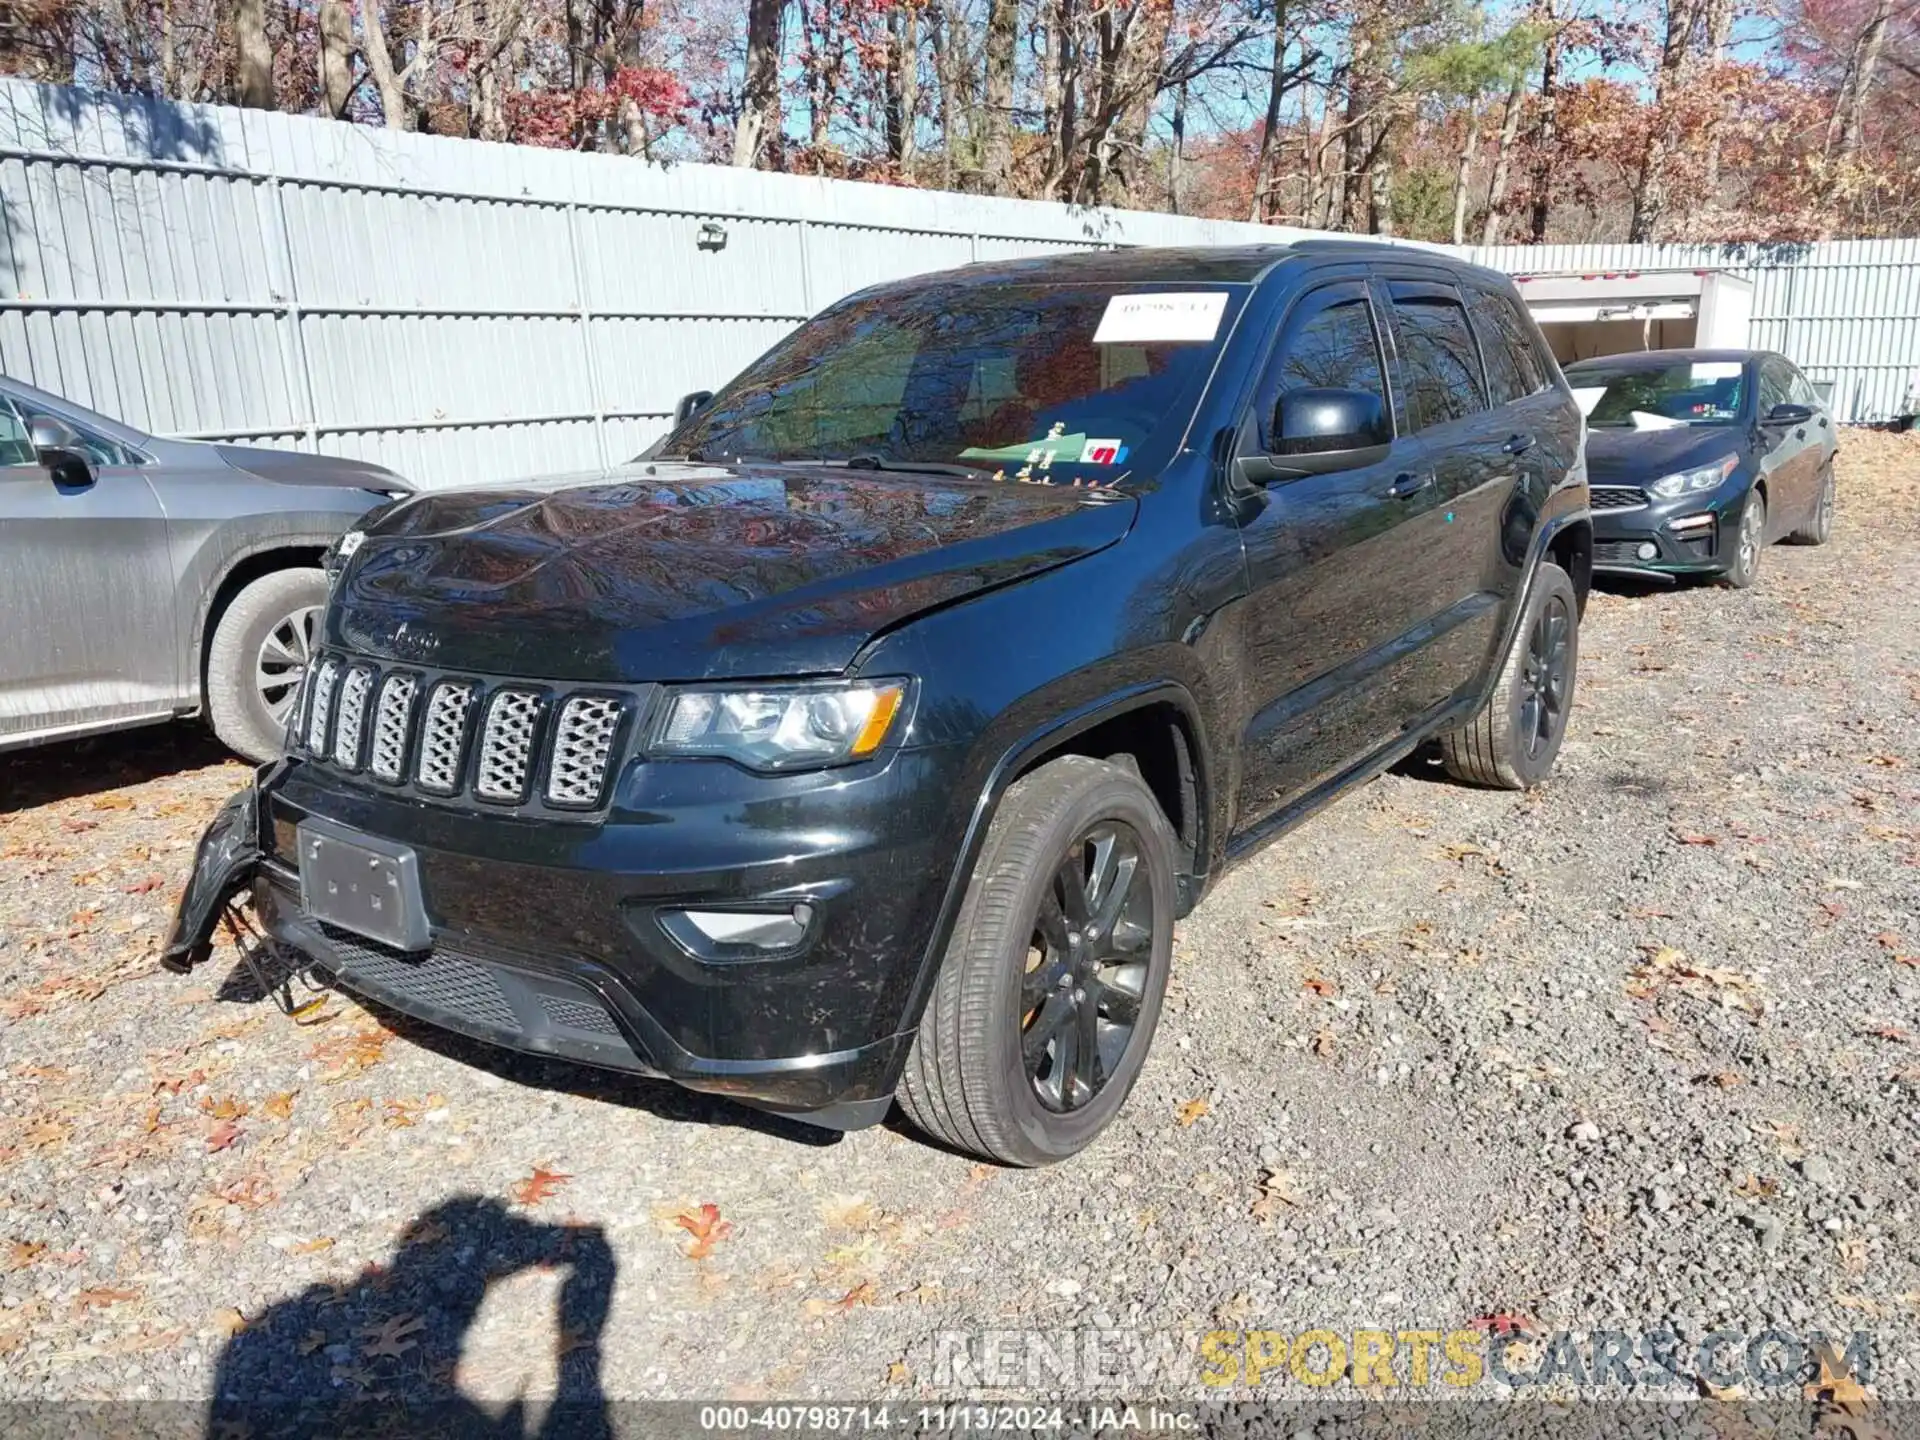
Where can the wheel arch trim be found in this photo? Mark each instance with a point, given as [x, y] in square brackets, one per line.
[986, 805]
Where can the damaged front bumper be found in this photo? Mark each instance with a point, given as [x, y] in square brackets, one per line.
[223, 866]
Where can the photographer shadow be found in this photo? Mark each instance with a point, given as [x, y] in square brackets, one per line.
[380, 1354]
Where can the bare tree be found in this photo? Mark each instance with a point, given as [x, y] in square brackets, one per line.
[336, 57]
[392, 84]
[760, 93]
[254, 55]
[996, 158]
[1503, 159]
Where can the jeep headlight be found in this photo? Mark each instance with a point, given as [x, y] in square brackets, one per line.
[781, 727]
[1707, 477]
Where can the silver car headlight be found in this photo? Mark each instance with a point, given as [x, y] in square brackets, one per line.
[782, 727]
[1707, 477]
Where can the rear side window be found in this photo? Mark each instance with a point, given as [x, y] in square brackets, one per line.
[1442, 365]
[1329, 344]
[1506, 340]
[1800, 389]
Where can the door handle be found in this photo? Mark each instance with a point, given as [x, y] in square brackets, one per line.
[1801, 433]
[1407, 483]
[1518, 444]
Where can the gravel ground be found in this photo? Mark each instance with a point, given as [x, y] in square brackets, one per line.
[1631, 1051]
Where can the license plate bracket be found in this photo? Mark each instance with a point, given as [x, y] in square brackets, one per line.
[362, 883]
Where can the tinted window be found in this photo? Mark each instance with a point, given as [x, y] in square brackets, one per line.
[1506, 340]
[1443, 369]
[1015, 379]
[1329, 344]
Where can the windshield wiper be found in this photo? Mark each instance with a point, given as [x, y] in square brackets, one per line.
[867, 460]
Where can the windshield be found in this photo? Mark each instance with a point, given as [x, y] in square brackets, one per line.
[1696, 392]
[1064, 384]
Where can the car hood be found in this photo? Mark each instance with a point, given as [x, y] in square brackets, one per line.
[683, 572]
[1639, 457]
[290, 467]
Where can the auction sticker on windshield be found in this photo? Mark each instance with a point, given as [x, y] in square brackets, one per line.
[1172, 317]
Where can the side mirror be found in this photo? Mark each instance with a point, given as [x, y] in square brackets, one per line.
[57, 447]
[1318, 431]
[690, 405]
[1789, 414]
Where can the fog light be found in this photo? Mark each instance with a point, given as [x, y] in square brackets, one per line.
[702, 931]
[1648, 550]
[1691, 522]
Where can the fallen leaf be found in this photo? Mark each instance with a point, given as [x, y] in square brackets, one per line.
[311, 1341]
[706, 1227]
[898, 1373]
[1725, 1079]
[1190, 1111]
[1888, 940]
[861, 1294]
[278, 1107]
[1276, 1189]
[226, 1108]
[19, 1254]
[228, 1321]
[390, 1337]
[113, 800]
[311, 1247]
[1888, 1032]
[1325, 989]
[848, 1212]
[253, 1192]
[1687, 838]
[146, 886]
[1720, 1392]
[99, 1297]
[222, 1136]
[1500, 1322]
[539, 1186]
[1836, 1384]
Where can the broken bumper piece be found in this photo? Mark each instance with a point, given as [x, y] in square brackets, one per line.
[222, 865]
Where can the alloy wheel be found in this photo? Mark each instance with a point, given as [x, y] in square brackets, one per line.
[1086, 970]
[1545, 677]
[282, 660]
[1825, 520]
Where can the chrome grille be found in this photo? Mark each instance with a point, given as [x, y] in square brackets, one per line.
[434, 733]
[506, 745]
[324, 679]
[390, 721]
[443, 737]
[352, 722]
[582, 746]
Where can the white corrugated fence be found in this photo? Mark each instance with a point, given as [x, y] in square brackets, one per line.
[466, 311]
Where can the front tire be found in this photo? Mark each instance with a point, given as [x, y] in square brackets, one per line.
[1512, 743]
[1819, 527]
[1051, 986]
[259, 652]
[1749, 543]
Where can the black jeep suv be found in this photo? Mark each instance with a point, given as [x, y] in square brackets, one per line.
[864, 739]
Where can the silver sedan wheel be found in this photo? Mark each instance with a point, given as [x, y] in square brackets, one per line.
[1750, 538]
[283, 660]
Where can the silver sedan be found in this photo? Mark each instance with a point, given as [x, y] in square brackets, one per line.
[144, 579]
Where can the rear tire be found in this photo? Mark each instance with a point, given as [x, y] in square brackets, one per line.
[1819, 527]
[1044, 1009]
[258, 653]
[1512, 743]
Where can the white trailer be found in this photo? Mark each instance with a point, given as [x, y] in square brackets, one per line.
[1616, 311]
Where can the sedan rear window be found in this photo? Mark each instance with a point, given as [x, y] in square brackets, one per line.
[1065, 383]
